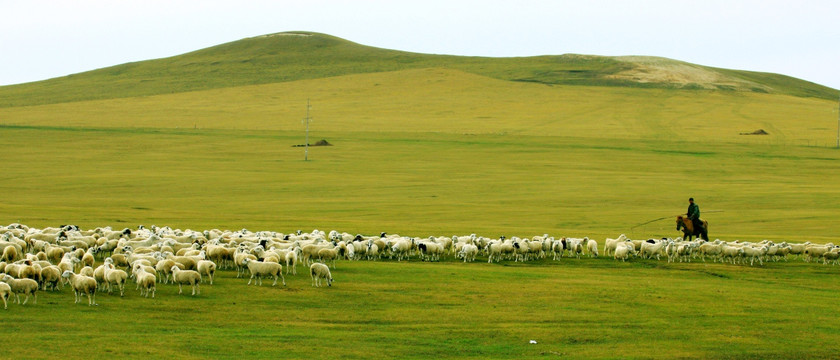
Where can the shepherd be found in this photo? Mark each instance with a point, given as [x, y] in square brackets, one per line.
[691, 224]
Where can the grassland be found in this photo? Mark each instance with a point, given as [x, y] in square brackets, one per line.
[587, 308]
[418, 151]
[425, 148]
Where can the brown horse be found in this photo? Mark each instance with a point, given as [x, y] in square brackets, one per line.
[688, 230]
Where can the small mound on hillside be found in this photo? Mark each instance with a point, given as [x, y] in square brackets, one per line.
[757, 132]
[321, 142]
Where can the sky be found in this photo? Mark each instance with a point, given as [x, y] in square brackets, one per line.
[45, 39]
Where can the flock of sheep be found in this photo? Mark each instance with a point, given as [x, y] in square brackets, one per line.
[50, 258]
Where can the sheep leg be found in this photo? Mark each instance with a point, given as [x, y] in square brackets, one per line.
[180, 290]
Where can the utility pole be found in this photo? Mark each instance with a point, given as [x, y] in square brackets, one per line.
[307, 120]
[838, 124]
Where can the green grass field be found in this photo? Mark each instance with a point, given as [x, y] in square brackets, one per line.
[427, 145]
[587, 308]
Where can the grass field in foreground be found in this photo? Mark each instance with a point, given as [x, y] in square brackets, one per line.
[587, 308]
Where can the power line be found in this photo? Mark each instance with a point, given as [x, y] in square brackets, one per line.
[307, 120]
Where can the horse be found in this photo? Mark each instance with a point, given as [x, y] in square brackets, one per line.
[688, 230]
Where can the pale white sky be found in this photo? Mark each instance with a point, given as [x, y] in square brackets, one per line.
[44, 39]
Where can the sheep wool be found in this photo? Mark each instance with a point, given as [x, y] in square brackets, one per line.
[188, 277]
[260, 269]
[82, 285]
[318, 272]
[5, 293]
[22, 286]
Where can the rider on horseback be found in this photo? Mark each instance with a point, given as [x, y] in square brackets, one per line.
[693, 213]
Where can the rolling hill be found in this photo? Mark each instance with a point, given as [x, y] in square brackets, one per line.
[205, 139]
[433, 145]
[292, 56]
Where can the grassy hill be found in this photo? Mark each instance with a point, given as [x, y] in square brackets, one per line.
[434, 145]
[287, 57]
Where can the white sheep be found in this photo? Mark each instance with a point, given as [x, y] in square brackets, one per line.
[189, 277]
[82, 285]
[468, 252]
[88, 259]
[51, 275]
[401, 248]
[434, 250]
[591, 247]
[207, 267]
[709, 249]
[164, 269]
[328, 255]
[22, 286]
[372, 250]
[114, 276]
[320, 271]
[239, 262]
[557, 249]
[260, 269]
[610, 244]
[575, 246]
[68, 263]
[292, 260]
[146, 281]
[54, 253]
[651, 248]
[623, 250]
[5, 293]
[86, 271]
[494, 250]
[816, 251]
[798, 249]
[832, 256]
[755, 253]
[733, 253]
[10, 254]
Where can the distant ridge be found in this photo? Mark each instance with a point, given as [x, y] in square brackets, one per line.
[298, 55]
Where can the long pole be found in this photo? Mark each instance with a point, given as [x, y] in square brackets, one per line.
[306, 144]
